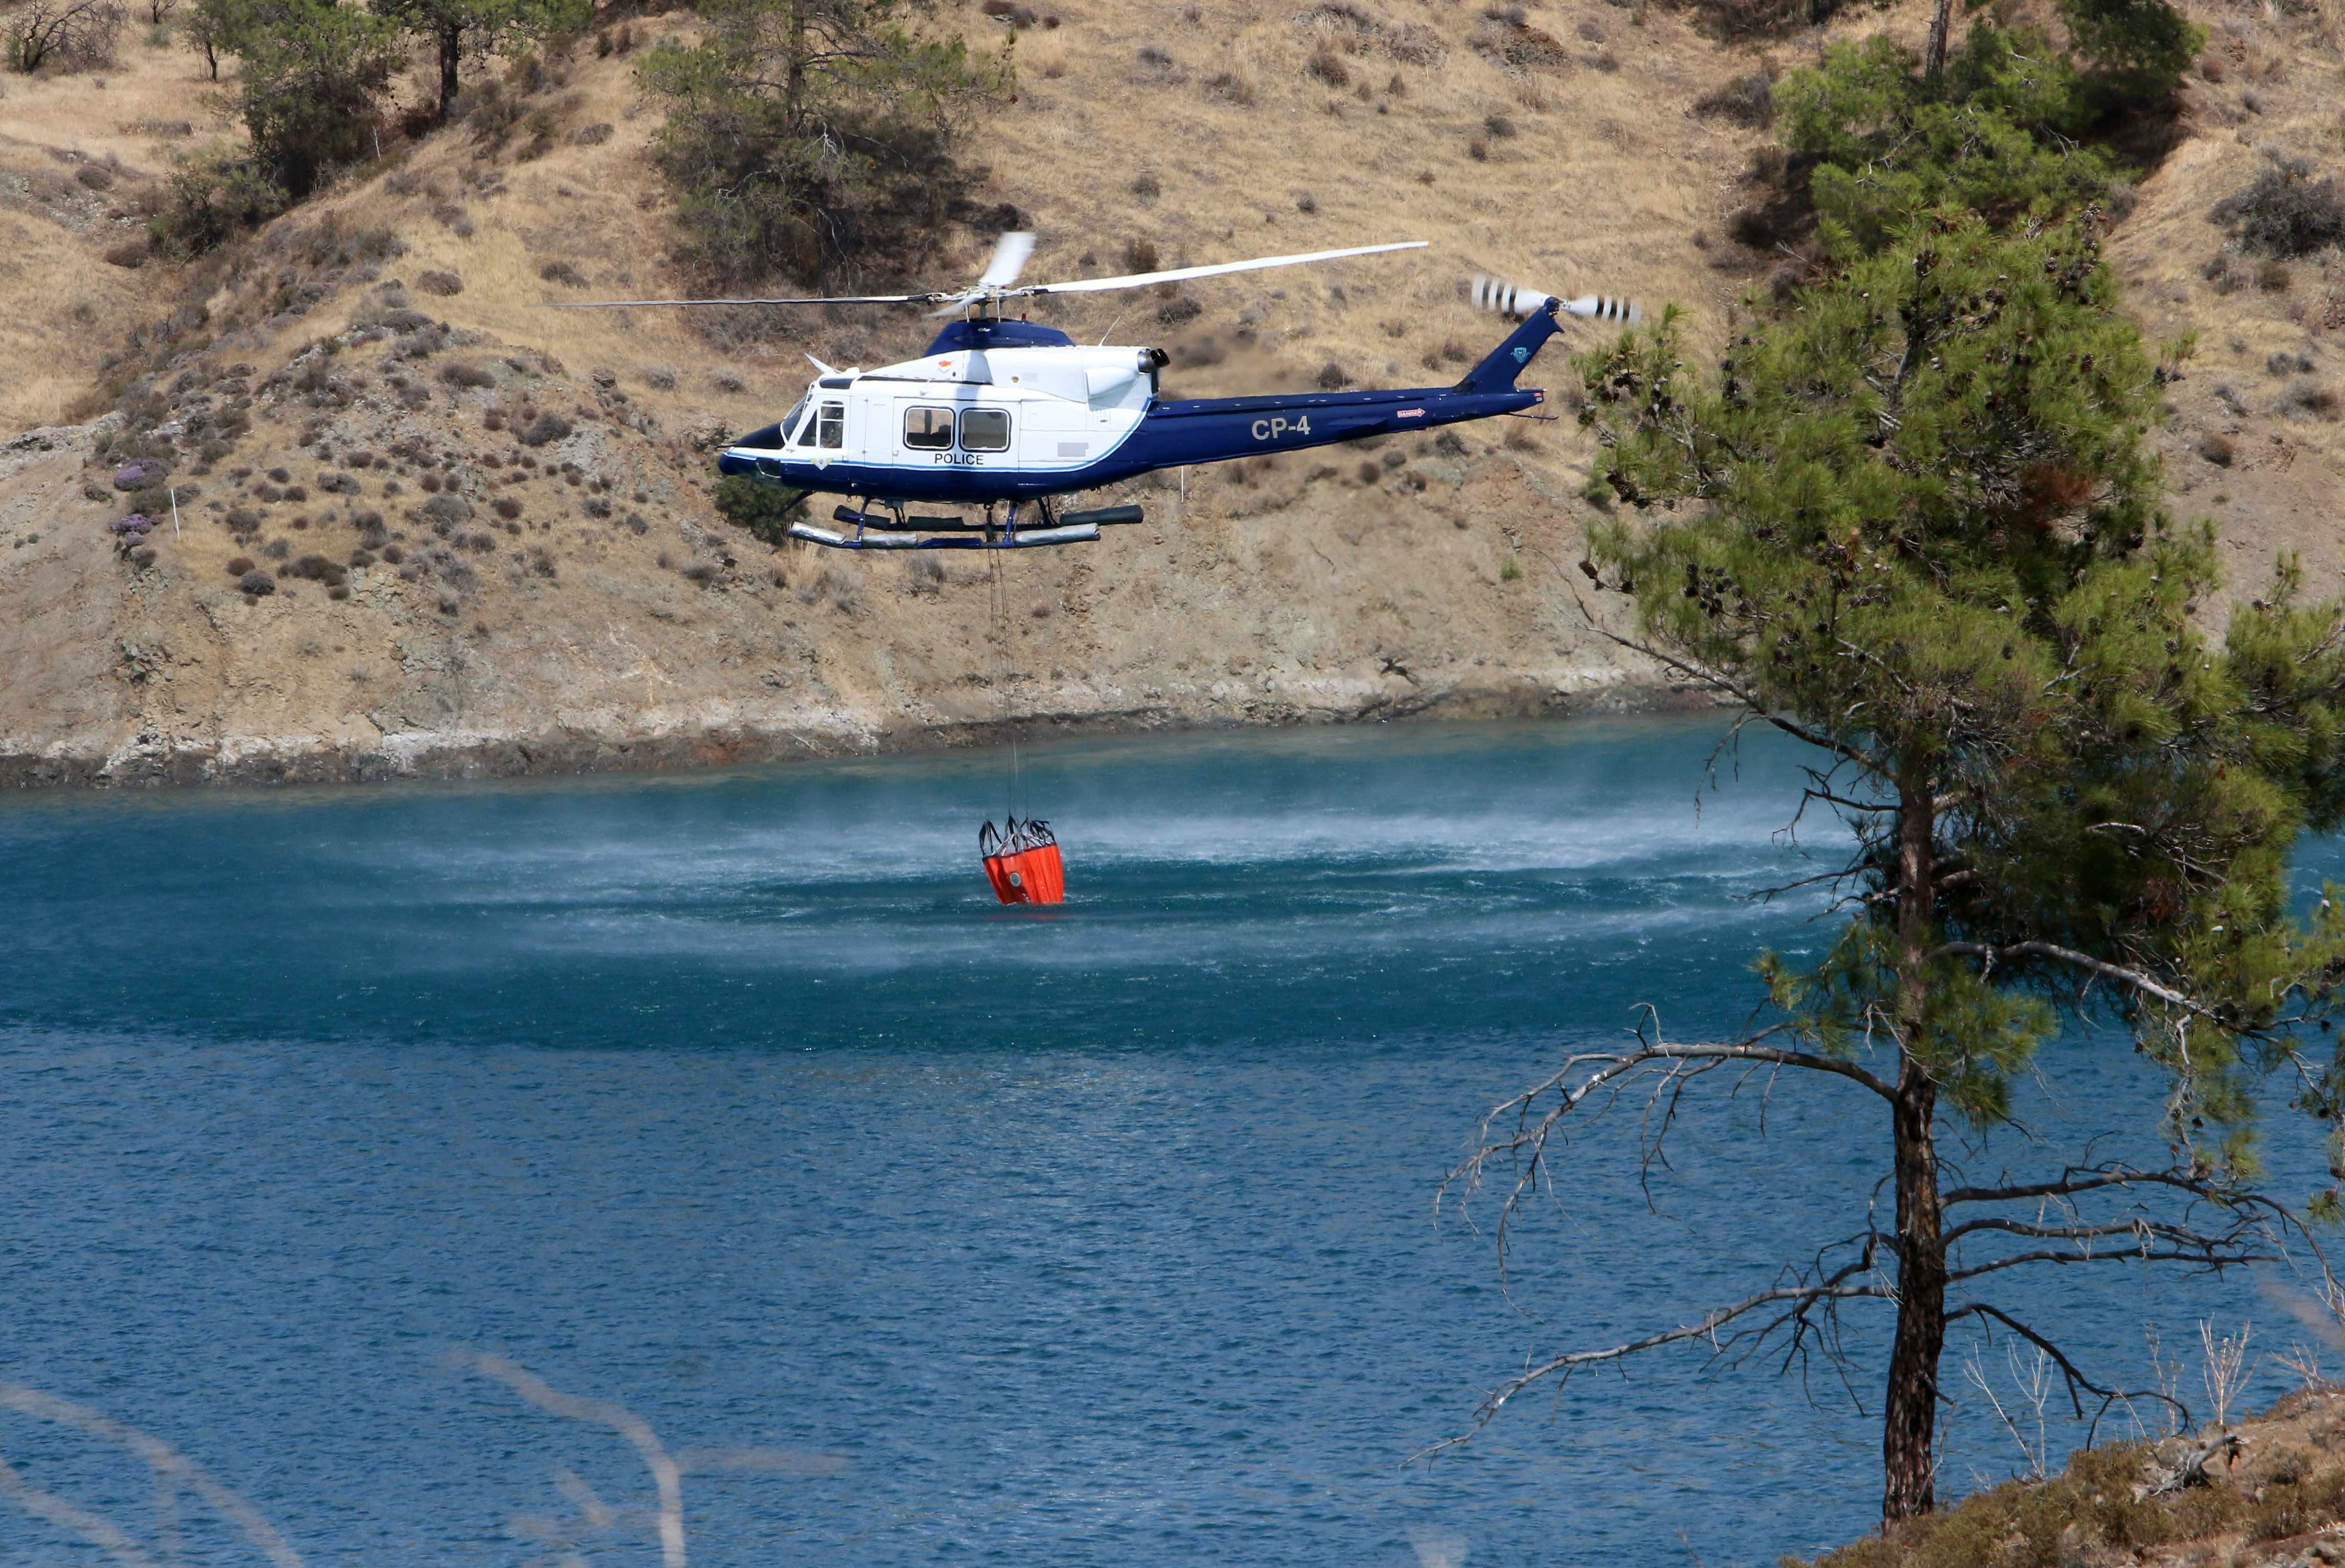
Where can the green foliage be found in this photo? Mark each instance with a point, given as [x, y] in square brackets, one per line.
[2138, 48]
[1917, 518]
[1996, 133]
[765, 510]
[1989, 137]
[815, 138]
[210, 28]
[461, 29]
[212, 200]
[311, 85]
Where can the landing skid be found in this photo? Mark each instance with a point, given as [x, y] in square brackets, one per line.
[894, 529]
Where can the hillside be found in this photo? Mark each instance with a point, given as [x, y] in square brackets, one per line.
[2268, 1492]
[579, 603]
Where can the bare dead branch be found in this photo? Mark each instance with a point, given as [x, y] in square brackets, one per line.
[1705, 1327]
[2070, 1373]
[168, 1465]
[668, 1476]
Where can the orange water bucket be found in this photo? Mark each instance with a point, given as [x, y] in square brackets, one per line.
[1023, 863]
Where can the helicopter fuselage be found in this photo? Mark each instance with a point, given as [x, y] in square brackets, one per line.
[1010, 411]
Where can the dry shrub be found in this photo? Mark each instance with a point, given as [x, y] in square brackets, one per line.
[547, 427]
[1157, 68]
[2283, 212]
[130, 253]
[1747, 100]
[2309, 399]
[446, 285]
[1412, 44]
[1231, 88]
[1326, 65]
[1509, 42]
[2216, 449]
[562, 272]
[1764, 18]
[593, 136]
[1333, 377]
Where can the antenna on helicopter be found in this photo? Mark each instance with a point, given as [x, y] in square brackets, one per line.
[999, 281]
[1512, 299]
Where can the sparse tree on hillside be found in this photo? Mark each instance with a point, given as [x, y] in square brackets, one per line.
[77, 34]
[1915, 525]
[311, 85]
[807, 136]
[211, 31]
[459, 30]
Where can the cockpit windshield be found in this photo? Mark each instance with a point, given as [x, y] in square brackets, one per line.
[790, 420]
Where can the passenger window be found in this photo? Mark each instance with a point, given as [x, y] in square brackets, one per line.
[985, 431]
[830, 426]
[930, 429]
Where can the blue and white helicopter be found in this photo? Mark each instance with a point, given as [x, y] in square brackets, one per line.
[1002, 413]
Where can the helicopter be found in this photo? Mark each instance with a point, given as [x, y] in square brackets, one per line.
[1008, 413]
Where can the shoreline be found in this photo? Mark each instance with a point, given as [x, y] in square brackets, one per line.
[558, 750]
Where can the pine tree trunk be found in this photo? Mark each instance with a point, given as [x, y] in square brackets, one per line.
[451, 44]
[794, 78]
[1909, 1418]
[1934, 59]
[1909, 1421]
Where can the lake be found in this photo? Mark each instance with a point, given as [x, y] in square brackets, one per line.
[936, 1232]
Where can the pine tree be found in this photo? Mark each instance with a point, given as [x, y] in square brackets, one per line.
[311, 85]
[1913, 523]
[816, 138]
[461, 29]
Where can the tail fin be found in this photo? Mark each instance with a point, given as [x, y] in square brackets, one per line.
[1498, 372]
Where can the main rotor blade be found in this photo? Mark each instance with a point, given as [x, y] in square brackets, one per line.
[847, 299]
[1010, 254]
[1142, 279]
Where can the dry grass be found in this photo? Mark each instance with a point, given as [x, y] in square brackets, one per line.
[2282, 1495]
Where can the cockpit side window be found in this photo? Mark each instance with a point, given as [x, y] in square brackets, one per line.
[830, 426]
[790, 420]
[985, 431]
[927, 428]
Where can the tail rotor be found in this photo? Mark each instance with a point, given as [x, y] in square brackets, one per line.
[1506, 298]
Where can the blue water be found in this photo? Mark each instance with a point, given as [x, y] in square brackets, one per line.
[1103, 1235]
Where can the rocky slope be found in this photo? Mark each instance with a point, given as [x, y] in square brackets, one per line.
[344, 407]
[2267, 1493]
